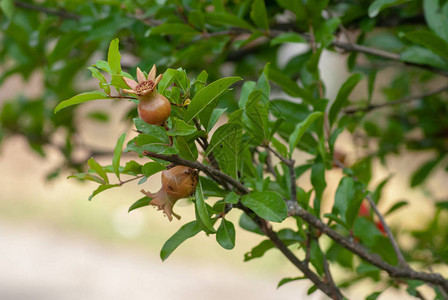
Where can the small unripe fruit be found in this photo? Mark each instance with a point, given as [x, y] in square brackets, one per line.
[177, 183]
[153, 108]
[364, 210]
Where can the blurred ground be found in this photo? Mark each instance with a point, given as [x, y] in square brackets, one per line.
[54, 244]
[40, 263]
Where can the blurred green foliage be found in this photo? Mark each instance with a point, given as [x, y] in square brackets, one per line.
[195, 44]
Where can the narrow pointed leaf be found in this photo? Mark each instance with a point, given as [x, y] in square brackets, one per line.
[83, 97]
[268, 205]
[342, 96]
[225, 234]
[185, 232]
[300, 130]
[114, 57]
[98, 169]
[207, 95]
[117, 155]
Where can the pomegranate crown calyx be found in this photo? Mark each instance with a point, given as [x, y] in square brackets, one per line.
[145, 85]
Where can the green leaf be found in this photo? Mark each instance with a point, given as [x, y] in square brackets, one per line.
[300, 130]
[225, 234]
[373, 296]
[225, 145]
[207, 95]
[268, 205]
[289, 86]
[256, 117]
[437, 17]
[316, 257]
[142, 202]
[7, 6]
[311, 290]
[396, 206]
[345, 194]
[288, 37]
[259, 15]
[156, 131]
[211, 189]
[117, 154]
[379, 5]
[152, 168]
[376, 196]
[325, 32]
[102, 188]
[96, 73]
[118, 82]
[221, 18]
[289, 279]
[181, 128]
[64, 46]
[246, 89]
[423, 56]
[362, 169]
[114, 57]
[187, 148]
[132, 167]
[169, 76]
[424, 170]
[174, 28]
[342, 96]
[280, 147]
[215, 117]
[429, 40]
[442, 205]
[248, 224]
[259, 250]
[367, 231]
[263, 83]
[202, 209]
[83, 97]
[185, 232]
[318, 182]
[98, 169]
[103, 65]
[88, 176]
[231, 197]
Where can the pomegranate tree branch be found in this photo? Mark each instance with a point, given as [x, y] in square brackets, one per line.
[401, 261]
[351, 110]
[292, 174]
[394, 271]
[57, 12]
[262, 224]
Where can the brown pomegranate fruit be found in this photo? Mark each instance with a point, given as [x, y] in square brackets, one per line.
[153, 107]
[177, 182]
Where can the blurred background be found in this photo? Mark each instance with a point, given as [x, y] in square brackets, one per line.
[55, 244]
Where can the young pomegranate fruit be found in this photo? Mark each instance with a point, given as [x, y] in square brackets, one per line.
[364, 210]
[177, 182]
[153, 108]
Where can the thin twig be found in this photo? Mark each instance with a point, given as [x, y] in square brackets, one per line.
[264, 226]
[269, 166]
[346, 243]
[401, 260]
[330, 291]
[328, 275]
[129, 180]
[57, 12]
[351, 110]
[292, 173]
[350, 47]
